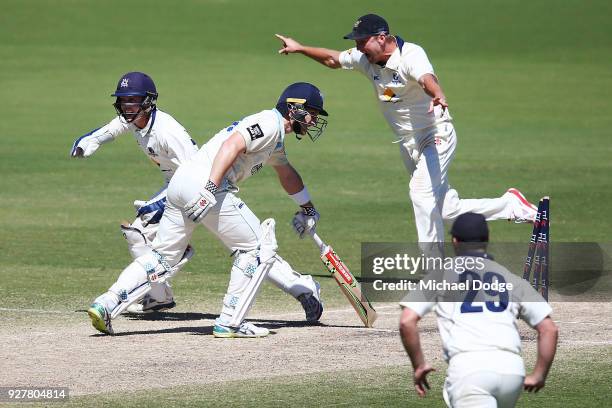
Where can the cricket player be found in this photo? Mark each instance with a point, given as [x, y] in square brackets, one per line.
[479, 334]
[203, 191]
[416, 109]
[166, 142]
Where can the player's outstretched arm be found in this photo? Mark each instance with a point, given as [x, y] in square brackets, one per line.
[325, 56]
[412, 343]
[87, 144]
[547, 346]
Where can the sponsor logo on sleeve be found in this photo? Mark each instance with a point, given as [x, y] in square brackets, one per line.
[255, 131]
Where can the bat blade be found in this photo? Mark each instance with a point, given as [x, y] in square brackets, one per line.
[349, 286]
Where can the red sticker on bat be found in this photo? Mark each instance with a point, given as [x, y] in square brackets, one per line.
[340, 267]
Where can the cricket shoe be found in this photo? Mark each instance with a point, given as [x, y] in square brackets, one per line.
[522, 209]
[311, 302]
[149, 305]
[246, 330]
[100, 318]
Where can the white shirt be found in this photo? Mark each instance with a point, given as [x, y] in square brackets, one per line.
[163, 139]
[483, 326]
[263, 134]
[401, 98]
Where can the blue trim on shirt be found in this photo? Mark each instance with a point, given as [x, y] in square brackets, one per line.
[400, 42]
[76, 142]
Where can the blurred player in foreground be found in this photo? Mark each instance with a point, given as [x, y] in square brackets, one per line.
[203, 192]
[416, 109]
[167, 144]
[480, 338]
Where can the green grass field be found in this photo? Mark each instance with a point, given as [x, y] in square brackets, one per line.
[526, 82]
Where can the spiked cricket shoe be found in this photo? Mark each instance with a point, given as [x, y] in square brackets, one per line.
[246, 330]
[522, 209]
[100, 318]
[311, 302]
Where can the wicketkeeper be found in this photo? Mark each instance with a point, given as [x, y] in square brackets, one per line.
[167, 144]
[203, 191]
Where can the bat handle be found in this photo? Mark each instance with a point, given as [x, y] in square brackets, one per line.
[318, 241]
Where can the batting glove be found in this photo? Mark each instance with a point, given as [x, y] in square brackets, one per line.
[197, 208]
[305, 221]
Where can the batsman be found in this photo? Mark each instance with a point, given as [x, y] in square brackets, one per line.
[203, 191]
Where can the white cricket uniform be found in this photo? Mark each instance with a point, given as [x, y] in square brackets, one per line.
[427, 141]
[230, 219]
[481, 340]
[166, 142]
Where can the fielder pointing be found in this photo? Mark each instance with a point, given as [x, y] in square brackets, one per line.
[479, 334]
[203, 191]
[166, 143]
[415, 107]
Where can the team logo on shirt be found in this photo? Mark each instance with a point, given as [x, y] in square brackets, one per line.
[396, 78]
[389, 96]
[255, 131]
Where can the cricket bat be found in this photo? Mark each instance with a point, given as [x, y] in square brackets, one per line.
[347, 282]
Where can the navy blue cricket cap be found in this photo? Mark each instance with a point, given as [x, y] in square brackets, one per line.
[135, 84]
[470, 227]
[367, 26]
[304, 93]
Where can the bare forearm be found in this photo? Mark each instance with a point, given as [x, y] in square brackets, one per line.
[430, 85]
[410, 337]
[221, 164]
[325, 56]
[226, 156]
[547, 346]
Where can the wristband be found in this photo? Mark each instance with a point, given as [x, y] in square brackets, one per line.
[301, 197]
[309, 211]
[212, 187]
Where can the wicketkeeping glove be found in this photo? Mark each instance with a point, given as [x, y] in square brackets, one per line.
[197, 208]
[305, 221]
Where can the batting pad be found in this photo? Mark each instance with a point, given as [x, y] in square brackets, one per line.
[267, 251]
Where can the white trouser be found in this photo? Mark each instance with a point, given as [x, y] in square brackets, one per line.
[427, 155]
[484, 380]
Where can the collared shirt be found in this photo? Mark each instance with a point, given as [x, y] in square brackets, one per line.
[401, 98]
[164, 140]
[487, 325]
[263, 134]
